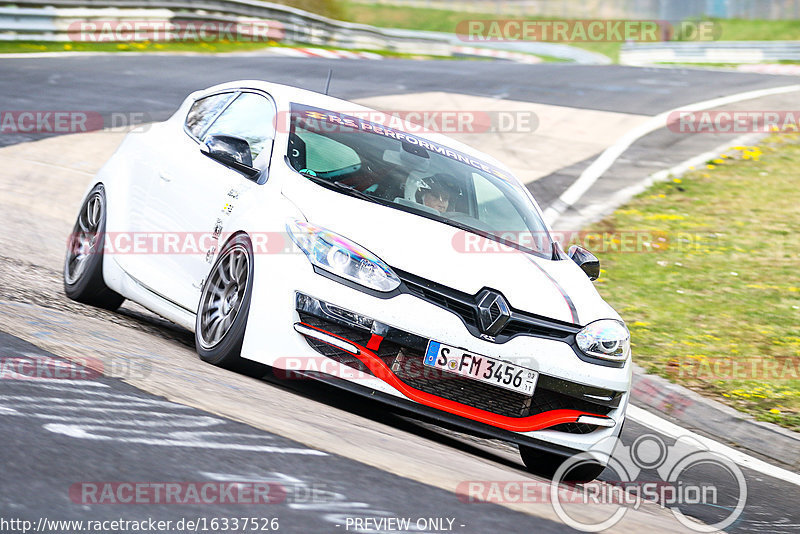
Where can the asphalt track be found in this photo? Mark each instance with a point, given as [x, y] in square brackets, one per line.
[40, 464]
[157, 84]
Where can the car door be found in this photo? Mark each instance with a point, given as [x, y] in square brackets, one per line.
[195, 194]
[151, 159]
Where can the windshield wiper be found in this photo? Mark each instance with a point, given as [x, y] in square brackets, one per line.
[350, 190]
[344, 188]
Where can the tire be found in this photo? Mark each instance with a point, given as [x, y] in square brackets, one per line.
[225, 305]
[546, 464]
[83, 266]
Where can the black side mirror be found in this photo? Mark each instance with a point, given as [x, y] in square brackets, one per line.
[231, 151]
[587, 261]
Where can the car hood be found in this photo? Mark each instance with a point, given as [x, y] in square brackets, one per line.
[430, 249]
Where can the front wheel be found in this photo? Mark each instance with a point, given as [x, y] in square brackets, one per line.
[546, 464]
[225, 305]
[83, 266]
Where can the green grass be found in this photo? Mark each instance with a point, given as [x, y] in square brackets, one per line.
[719, 285]
[76, 46]
[440, 20]
[758, 30]
[17, 47]
[447, 21]
[414, 18]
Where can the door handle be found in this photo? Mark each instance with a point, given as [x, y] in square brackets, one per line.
[165, 176]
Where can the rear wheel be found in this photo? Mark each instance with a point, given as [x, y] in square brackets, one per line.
[546, 464]
[83, 266]
[225, 305]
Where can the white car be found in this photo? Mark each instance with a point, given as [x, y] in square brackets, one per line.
[299, 231]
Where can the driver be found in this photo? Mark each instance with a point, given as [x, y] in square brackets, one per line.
[438, 192]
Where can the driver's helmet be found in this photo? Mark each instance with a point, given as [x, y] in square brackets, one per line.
[442, 185]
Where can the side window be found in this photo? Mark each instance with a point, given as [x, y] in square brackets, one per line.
[204, 111]
[325, 155]
[251, 117]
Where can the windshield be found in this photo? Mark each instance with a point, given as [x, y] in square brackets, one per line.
[412, 174]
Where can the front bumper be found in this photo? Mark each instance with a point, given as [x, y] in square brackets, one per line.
[410, 322]
[395, 357]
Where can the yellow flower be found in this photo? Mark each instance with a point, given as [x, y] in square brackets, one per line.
[716, 161]
[665, 217]
[711, 167]
[706, 175]
[67, 46]
[677, 180]
[774, 410]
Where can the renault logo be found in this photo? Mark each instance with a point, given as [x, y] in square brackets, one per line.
[493, 311]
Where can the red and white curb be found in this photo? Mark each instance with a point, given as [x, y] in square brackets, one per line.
[516, 57]
[788, 70]
[324, 53]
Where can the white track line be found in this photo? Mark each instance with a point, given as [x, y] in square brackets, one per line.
[599, 166]
[674, 431]
[596, 211]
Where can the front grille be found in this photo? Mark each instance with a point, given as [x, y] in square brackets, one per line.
[465, 306]
[406, 364]
[467, 312]
[410, 369]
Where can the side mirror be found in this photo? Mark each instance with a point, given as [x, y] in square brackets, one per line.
[231, 151]
[587, 261]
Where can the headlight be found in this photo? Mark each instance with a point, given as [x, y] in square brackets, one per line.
[342, 257]
[607, 339]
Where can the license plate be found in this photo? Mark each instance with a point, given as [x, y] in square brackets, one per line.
[481, 368]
